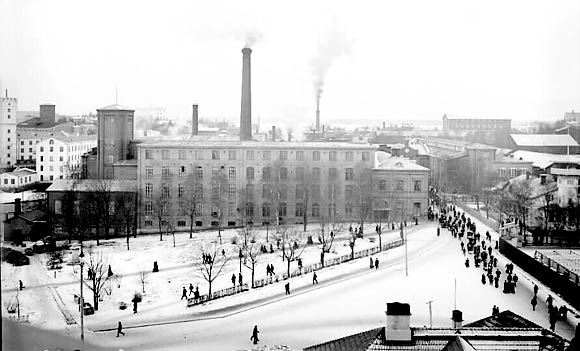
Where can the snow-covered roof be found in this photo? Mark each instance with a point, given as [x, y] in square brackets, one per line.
[544, 160]
[384, 162]
[115, 107]
[88, 185]
[543, 140]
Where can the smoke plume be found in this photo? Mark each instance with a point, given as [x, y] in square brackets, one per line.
[251, 37]
[333, 44]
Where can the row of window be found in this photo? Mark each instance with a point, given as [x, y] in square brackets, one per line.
[513, 172]
[22, 180]
[70, 148]
[250, 155]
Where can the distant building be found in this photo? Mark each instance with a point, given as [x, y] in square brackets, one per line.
[503, 331]
[572, 117]
[8, 134]
[549, 143]
[60, 157]
[115, 131]
[19, 178]
[572, 129]
[492, 131]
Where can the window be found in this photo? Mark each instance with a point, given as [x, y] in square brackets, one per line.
[249, 209]
[29, 149]
[316, 155]
[199, 173]
[523, 170]
[181, 212]
[215, 191]
[180, 190]
[501, 172]
[50, 158]
[148, 190]
[250, 154]
[199, 210]
[299, 155]
[316, 173]
[382, 185]
[232, 154]
[165, 172]
[51, 149]
[215, 172]
[332, 174]
[266, 173]
[349, 174]
[181, 223]
[182, 154]
[21, 142]
[165, 191]
[61, 149]
[348, 209]
[265, 191]
[332, 156]
[250, 191]
[199, 191]
[231, 209]
[165, 154]
[283, 155]
[299, 209]
[266, 210]
[300, 173]
[42, 149]
[57, 206]
[513, 172]
[399, 185]
[417, 186]
[266, 155]
[51, 168]
[60, 158]
[182, 172]
[199, 154]
[282, 209]
[348, 192]
[283, 173]
[366, 156]
[315, 210]
[51, 142]
[215, 154]
[30, 142]
[232, 173]
[148, 154]
[250, 173]
[232, 191]
[349, 156]
[41, 168]
[283, 191]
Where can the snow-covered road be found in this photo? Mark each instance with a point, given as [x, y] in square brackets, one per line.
[349, 305]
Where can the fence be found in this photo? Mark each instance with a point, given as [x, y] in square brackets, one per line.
[560, 269]
[297, 272]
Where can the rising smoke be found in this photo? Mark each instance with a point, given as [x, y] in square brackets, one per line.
[333, 44]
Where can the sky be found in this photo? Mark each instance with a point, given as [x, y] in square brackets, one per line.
[374, 60]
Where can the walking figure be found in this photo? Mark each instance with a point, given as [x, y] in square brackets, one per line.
[287, 287]
[120, 329]
[550, 300]
[372, 264]
[534, 302]
[196, 294]
[515, 279]
[376, 263]
[20, 285]
[190, 288]
[536, 289]
[239, 279]
[254, 336]
[234, 279]
[184, 293]
[314, 279]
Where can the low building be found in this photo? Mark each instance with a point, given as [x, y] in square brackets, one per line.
[19, 178]
[503, 331]
[25, 225]
[562, 144]
[60, 157]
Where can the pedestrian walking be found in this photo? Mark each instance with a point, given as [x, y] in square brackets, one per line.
[376, 263]
[254, 337]
[534, 302]
[134, 305]
[314, 278]
[515, 279]
[483, 280]
[496, 281]
[553, 315]
[20, 285]
[536, 289]
[372, 264]
[300, 264]
[467, 262]
[234, 279]
[120, 329]
[287, 288]
[550, 301]
[190, 288]
[184, 293]
[224, 252]
[196, 294]
[240, 279]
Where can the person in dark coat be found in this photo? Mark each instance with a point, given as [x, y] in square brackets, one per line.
[483, 280]
[467, 262]
[240, 279]
[314, 278]
[234, 279]
[371, 263]
[184, 293]
[515, 279]
[287, 288]
[550, 301]
[196, 294]
[376, 263]
[553, 314]
[496, 281]
[190, 289]
[20, 285]
[536, 289]
[534, 302]
[134, 305]
[254, 337]
[120, 329]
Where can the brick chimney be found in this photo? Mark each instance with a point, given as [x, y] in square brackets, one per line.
[246, 111]
[194, 121]
[398, 326]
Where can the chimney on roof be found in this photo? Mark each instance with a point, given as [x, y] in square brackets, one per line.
[456, 319]
[194, 121]
[398, 326]
[273, 133]
[17, 207]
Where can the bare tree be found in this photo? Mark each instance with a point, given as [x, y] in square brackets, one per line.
[363, 192]
[252, 255]
[97, 267]
[291, 246]
[194, 197]
[516, 201]
[212, 267]
[219, 184]
[69, 218]
[102, 204]
[128, 208]
[162, 207]
[143, 278]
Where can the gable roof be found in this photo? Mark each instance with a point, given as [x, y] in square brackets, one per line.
[458, 344]
[115, 107]
[505, 319]
[356, 342]
[89, 185]
[543, 140]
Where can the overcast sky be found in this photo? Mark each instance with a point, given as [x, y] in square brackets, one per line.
[396, 60]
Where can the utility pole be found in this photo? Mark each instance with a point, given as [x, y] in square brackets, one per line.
[82, 301]
[430, 314]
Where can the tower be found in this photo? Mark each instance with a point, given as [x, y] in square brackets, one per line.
[115, 131]
[8, 134]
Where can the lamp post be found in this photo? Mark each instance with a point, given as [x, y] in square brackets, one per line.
[82, 301]
[240, 255]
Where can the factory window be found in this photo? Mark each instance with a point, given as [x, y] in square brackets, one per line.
[299, 210]
[148, 190]
[165, 190]
[181, 172]
[51, 149]
[8, 131]
[316, 155]
[501, 172]
[50, 158]
[316, 173]
[283, 191]
[332, 191]
[283, 173]
[332, 210]
[366, 156]
[199, 173]
[165, 154]
[51, 142]
[315, 210]
[265, 191]
[300, 173]
[29, 149]
[51, 168]
[232, 173]
[61, 149]
[148, 154]
[349, 156]
[332, 156]
[250, 154]
[282, 209]
[250, 173]
[215, 154]
[232, 190]
[231, 209]
[299, 155]
[266, 173]
[148, 172]
[348, 191]
[266, 155]
[283, 155]
[182, 154]
[349, 174]
[165, 172]
[332, 174]
[51, 177]
[41, 168]
[513, 172]
[149, 211]
[30, 142]
[199, 154]
[417, 186]
[181, 223]
[399, 185]
[232, 154]
[22, 142]
[42, 149]
[523, 170]
[180, 190]
[215, 172]
[382, 185]
[60, 158]
[22, 150]
[250, 191]
[266, 210]
[348, 209]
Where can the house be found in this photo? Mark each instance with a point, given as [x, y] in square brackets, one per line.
[562, 144]
[18, 179]
[31, 225]
[503, 331]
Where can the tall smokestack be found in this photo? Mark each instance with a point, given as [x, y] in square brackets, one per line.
[246, 113]
[194, 121]
[318, 113]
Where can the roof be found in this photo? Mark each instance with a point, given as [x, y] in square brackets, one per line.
[458, 344]
[114, 107]
[544, 160]
[207, 144]
[357, 342]
[479, 146]
[21, 172]
[543, 140]
[383, 162]
[89, 185]
[30, 216]
[38, 123]
[476, 118]
[504, 319]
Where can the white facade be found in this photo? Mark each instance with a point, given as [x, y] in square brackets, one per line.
[18, 178]
[27, 141]
[60, 157]
[8, 135]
